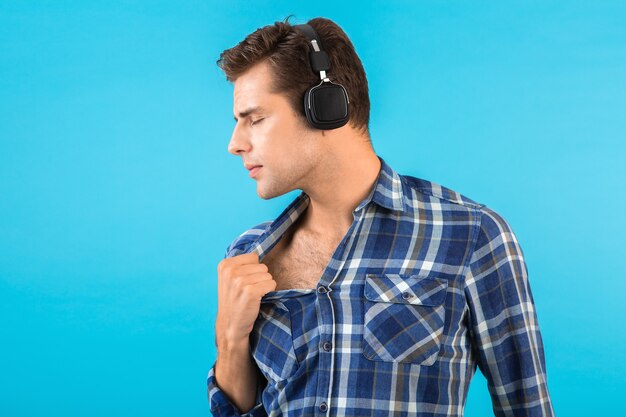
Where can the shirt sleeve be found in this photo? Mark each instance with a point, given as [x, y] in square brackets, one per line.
[221, 406]
[503, 323]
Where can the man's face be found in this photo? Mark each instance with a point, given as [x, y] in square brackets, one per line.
[268, 133]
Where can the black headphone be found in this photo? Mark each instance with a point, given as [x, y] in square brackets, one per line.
[326, 103]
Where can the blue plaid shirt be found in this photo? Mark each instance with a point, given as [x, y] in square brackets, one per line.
[426, 285]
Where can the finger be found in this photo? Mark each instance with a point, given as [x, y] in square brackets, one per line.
[243, 270]
[262, 288]
[254, 279]
[246, 258]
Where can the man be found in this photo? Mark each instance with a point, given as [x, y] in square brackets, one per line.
[372, 293]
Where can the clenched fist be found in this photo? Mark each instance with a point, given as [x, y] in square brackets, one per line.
[242, 281]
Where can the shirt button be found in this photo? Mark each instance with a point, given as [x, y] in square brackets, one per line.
[406, 295]
[327, 346]
[321, 289]
[323, 407]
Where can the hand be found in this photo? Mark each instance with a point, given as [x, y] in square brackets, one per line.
[242, 281]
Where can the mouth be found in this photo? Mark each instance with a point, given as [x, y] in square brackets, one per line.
[254, 170]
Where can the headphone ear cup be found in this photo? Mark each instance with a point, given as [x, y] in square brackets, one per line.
[326, 106]
[307, 109]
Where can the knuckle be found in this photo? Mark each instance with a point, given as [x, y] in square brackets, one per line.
[237, 283]
[226, 270]
[247, 291]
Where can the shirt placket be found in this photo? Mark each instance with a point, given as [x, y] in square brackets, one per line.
[328, 321]
[325, 308]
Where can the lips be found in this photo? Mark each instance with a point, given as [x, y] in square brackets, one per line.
[255, 170]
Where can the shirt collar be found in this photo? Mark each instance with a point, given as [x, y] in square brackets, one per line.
[387, 192]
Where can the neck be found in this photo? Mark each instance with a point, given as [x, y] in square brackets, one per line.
[342, 181]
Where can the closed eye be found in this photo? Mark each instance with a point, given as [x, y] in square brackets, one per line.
[256, 121]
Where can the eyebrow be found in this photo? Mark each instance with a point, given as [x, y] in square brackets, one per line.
[249, 111]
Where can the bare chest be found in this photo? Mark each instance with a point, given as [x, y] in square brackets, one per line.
[299, 262]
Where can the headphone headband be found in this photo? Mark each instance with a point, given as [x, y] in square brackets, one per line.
[319, 58]
[326, 103]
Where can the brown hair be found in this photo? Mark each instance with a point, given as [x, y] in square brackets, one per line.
[287, 52]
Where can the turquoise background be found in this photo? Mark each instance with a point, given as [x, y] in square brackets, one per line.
[118, 196]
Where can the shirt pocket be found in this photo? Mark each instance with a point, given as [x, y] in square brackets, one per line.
[403, 318]
[271, 341]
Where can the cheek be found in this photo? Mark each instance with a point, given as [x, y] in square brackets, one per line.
[287, 143]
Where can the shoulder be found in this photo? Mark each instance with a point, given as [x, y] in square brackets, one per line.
[494, 228]
[432, 189]
[491, 223]
[245, 239]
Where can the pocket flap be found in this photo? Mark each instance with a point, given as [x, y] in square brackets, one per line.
[406, 289]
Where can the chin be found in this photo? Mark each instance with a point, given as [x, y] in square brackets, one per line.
[263, 196]
[262, 193]
[266, 194]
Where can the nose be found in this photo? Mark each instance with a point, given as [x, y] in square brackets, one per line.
[238, 142]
